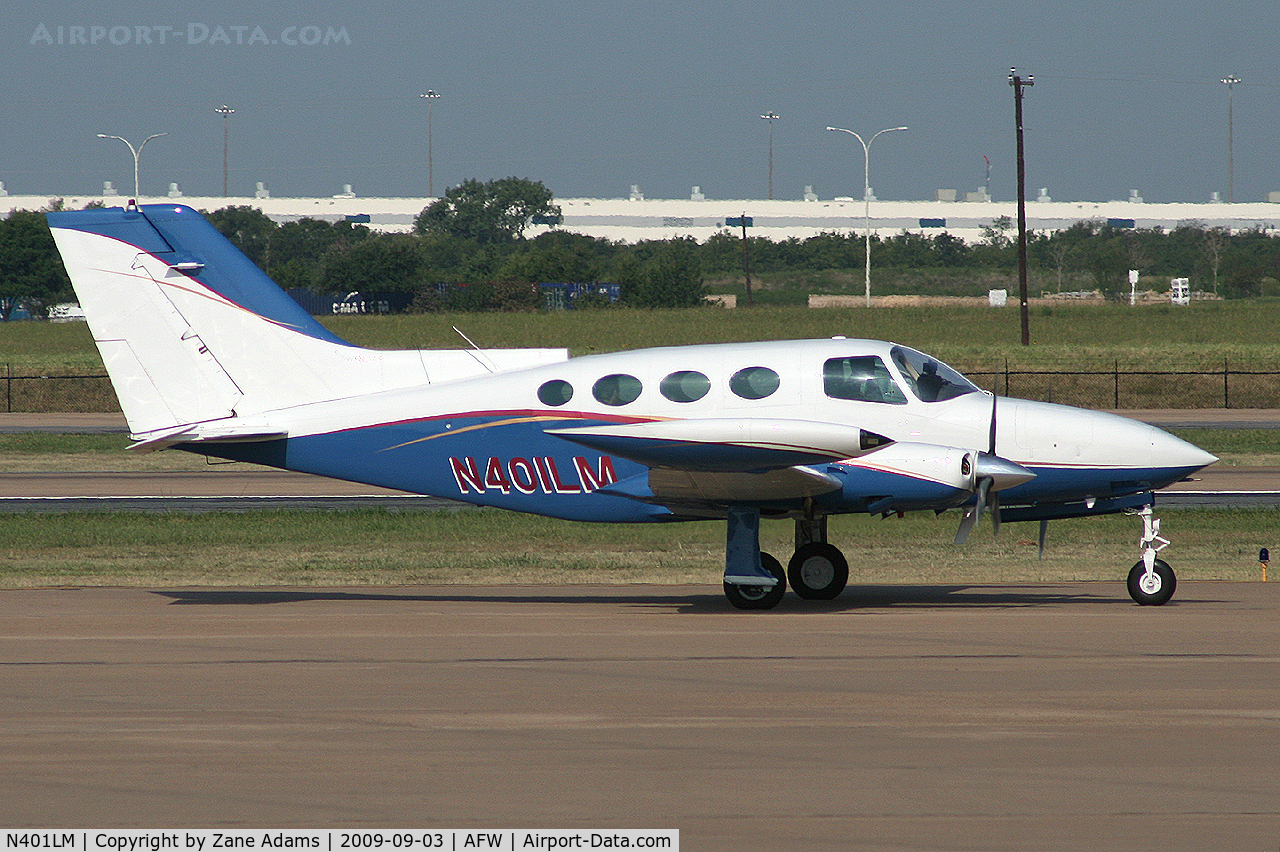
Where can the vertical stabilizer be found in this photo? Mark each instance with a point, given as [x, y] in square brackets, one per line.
[191, 331]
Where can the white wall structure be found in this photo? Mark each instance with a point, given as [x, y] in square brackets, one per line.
[654, 219]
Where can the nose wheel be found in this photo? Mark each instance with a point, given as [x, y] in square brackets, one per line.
[1151, 580]
[1152, 587]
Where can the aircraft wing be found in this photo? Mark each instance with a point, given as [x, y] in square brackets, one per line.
[734, 445]
[689, 488]
[717, 461]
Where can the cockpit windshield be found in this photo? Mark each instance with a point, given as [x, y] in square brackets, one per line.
[930, 379]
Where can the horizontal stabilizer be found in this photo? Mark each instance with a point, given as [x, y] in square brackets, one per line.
[227, 431]
[723, 444]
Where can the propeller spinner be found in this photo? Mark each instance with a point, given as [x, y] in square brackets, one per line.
[991, 475]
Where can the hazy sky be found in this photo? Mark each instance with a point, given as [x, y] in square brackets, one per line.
[592, 97]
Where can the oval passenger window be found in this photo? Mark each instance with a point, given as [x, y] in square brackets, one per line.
[754, 382]
[685, 386]
[555, 392]
[617, 389]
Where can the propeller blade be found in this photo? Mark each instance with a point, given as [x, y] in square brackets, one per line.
[995, 513]
[972, 514]
[994, 397]
[967, 520]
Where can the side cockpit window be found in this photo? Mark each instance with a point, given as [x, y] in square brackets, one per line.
[930, 379]
[864, 378]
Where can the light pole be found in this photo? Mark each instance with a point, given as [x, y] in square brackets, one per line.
[866, 192]
[1019, 83]
[431, 95]
[137, 152]
[770, 116]
[1231, 80]
[226, 112]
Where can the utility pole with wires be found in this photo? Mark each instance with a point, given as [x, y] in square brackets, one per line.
[1019, 84]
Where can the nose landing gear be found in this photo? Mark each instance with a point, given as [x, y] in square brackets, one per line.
[1151, 580]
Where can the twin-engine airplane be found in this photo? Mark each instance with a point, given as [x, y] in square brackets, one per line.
[208, 355]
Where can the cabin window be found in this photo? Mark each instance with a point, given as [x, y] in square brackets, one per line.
[929, 378]
[864, 378]
[685, 386]
[555, 392]
[754, 382]
[617, 389]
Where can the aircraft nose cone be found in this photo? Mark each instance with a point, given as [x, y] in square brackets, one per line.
[1171, 451]
[1002, 472]
[1042, 432]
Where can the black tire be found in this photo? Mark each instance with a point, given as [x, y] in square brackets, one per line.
[759, 597]
[1161, 588]
[818, 571]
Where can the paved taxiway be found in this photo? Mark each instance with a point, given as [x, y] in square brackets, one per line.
[1001, 718]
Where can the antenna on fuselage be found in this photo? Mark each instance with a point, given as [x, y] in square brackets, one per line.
[478, 354]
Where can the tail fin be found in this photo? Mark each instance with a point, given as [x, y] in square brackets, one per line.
[192, 332]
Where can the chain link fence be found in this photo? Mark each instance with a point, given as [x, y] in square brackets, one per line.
[1130, 389]
[33, 394]
[1098, 389]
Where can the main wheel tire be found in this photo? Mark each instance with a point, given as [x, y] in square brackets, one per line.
[759, 597]
[1155, 591]
[818, 571]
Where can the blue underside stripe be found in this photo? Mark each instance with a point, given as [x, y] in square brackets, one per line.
[506, 459]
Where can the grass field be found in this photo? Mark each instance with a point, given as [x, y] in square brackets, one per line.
[494, 547]
[1200, 336]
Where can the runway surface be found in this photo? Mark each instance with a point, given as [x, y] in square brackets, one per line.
[1053, 717]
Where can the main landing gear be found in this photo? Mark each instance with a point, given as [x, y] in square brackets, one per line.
[755, 580]
[1151, 580]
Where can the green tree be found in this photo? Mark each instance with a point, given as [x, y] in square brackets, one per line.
[497, 211]
[557, 256]
[665, 274]
[949, 251]
[722, 252]
[830, 250]
[388, 262]
[1106, 257]
[30, 267]
[1244, 283]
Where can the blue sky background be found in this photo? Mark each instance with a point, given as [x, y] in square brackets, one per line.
[590, 98]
